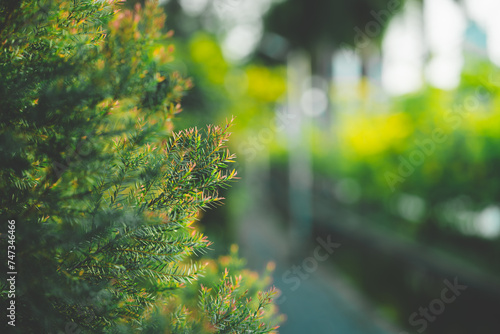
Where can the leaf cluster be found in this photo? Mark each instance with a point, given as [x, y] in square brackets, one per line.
[105, 193]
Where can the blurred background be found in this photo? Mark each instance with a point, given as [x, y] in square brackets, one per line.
[368, 142]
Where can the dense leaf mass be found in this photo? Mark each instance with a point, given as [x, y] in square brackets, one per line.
[103, 191]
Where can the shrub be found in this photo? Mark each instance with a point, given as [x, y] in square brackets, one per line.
[103, 192]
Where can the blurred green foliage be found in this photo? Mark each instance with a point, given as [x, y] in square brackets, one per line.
[414, 185]
[434, 144]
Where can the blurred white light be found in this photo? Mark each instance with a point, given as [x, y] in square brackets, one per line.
[401, 78]
[487, 223]
[481, 11]
[403, 52]
[443, 70]
[234, 12]
[193, 7]
[411, 207]
[485, 14]
[241, 41]
[346, 66]
[445, 25]
[314, 102]
[494, 43]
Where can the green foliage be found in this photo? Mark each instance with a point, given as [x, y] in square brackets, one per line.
[421, 171]
[103, 192]
[228, 313]
[234, 305]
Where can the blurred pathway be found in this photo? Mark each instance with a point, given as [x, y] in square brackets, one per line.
[321, 302]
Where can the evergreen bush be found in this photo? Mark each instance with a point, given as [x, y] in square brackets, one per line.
[104, 194]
